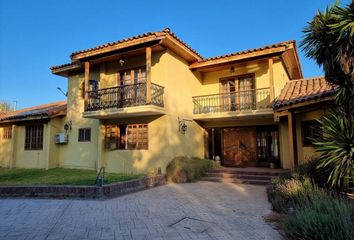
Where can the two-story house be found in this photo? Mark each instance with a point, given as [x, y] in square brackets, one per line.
[135, 104]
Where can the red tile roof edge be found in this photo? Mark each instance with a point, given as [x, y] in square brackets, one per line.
[165, 31]
[302, 90]
[281, 44]
[44, 110]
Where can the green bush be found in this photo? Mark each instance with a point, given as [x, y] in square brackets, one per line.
[285, 193]
[185, 169]
[318, 175]
[322, 216]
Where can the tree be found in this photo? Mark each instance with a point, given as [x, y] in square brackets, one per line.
[4, 106]
[329, 40]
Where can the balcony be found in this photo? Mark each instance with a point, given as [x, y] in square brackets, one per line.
[233, 104]
[125, 101]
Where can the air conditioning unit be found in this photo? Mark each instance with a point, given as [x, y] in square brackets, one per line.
[61, 138]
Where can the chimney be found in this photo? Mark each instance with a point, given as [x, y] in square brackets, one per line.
[14, 105]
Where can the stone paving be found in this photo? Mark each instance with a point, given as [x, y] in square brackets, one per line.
[202, 210]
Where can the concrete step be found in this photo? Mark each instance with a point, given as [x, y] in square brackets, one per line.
[236, 181]
[238, 176]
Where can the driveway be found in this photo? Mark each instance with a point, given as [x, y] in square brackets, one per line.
[202, 210]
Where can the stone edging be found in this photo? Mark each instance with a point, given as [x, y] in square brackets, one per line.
[72, 191]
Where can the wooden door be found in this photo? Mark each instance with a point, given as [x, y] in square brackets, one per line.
[240, 146]
[228, 98]
[246, 98]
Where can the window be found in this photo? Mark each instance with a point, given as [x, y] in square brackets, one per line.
[7, 132]
[84, 135]
[34, 137]
[130, 137]
[310, 130]
[137, 136]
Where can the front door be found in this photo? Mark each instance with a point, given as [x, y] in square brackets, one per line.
[239, 146]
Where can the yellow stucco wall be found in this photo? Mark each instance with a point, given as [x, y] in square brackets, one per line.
[29, 158]
[284, 144]
[280, 77]
[211, 80]
[78, 154]
[305, 153]
[5, 150]
[165, 141]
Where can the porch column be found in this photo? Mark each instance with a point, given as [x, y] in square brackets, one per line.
[86, 83]
[13, 146]
[271, 79]
[291, 140]
[148, 75]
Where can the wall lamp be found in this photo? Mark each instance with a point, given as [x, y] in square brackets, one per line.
[182, 126]
[121, 62]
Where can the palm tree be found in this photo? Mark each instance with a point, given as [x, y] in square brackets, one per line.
[329, 40]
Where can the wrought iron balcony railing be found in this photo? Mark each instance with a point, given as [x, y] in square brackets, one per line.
[124, 96]
[232, 101]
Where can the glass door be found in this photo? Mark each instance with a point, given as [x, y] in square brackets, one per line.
[267, 145]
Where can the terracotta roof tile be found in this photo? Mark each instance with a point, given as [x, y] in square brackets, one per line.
[165, 31]
[45, 111]
[301, 90]
[281, 44]
[63, 65]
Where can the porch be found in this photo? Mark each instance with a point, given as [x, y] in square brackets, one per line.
[244, 146]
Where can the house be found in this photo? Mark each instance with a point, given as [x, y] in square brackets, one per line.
[135, 104]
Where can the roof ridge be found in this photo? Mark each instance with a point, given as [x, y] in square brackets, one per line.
[305, 79]
[156, 33]
[249, 50]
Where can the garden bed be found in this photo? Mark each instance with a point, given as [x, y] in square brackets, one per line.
[70, 183]
[58, 176]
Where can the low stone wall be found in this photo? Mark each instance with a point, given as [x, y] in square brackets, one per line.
[70, 191]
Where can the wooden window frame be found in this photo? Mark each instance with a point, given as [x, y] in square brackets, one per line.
[308, 130]
[84, 135]
[34, 137]
[7, 133]
[123, 137]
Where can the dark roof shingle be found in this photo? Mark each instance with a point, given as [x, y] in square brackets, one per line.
[301, 90]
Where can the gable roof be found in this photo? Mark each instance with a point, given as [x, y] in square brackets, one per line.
[286, 50]
[164, 39]
[302, 90]
[43, 111]
[276, 45]
[112, 45]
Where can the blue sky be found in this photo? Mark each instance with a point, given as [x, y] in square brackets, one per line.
[37, 34]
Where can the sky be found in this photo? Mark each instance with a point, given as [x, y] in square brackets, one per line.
[37, 34]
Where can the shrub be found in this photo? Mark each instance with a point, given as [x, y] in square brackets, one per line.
[184, 169]
[318, 175]
[322, 216]
[285, 193]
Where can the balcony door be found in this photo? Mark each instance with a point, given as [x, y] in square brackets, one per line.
[237, 93]
[132, 89]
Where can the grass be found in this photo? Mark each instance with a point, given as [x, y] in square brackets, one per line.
[58, 176]
[185, 169]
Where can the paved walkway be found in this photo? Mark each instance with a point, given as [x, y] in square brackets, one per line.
[202, 210]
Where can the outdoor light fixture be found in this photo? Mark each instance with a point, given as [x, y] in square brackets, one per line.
[182, 126]
[121, 62]
[68, 126]
[232, 70]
